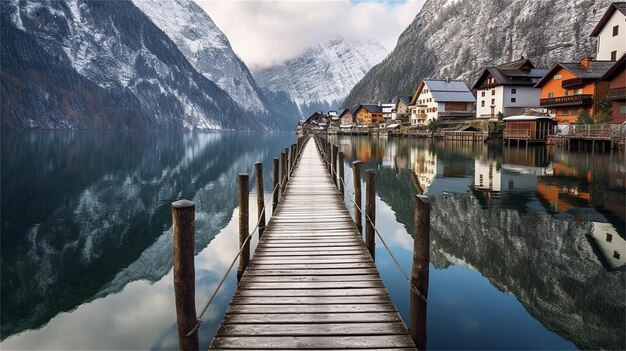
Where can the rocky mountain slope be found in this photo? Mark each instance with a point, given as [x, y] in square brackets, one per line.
[322, 77]
[106, 65]
[457, 39]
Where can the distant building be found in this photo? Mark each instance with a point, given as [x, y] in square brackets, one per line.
[616, 77]
[402, 112]
[530, 129]
[570, 87]
[508, 89]
[436, 99]
[388, 112]
[611, 33]
[346, 117]
[369, 114]
[315, 123]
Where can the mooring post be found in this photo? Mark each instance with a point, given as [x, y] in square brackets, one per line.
[419, 271]
[370, 211]
[356, 173]
[275, 185]
[260, 197]
[341, 173]
[244, 193]
[283, 171]
[183, 227]
[335, 173]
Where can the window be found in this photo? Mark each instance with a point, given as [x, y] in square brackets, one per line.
[614, 55]
[513, 91]
[513, 100]
[566, 92]
[550, 94]
[615, 30]
[482, 104]
[557, 76]
[482, 94]
[493, 101]
[609, 237]
[622, 110]
[578, 91]
[493, 92]
[565, 112]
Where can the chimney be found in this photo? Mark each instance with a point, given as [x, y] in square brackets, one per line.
[584, 63]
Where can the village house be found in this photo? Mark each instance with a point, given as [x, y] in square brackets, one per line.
[616, 77]
[315, 123]
[437, 99]
[402, 112]
[346, 117]
[571, 87]
[611, 33]
[508, 89]
[388, 112]
[369, 114]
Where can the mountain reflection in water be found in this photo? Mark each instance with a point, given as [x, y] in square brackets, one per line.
[547, 227]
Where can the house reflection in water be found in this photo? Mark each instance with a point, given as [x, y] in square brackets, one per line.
[610, 246]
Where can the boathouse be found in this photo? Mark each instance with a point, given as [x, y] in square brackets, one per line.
[530, 129]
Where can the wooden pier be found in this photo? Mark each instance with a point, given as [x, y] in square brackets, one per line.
[311, 283]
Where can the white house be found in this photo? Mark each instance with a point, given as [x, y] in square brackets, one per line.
[611, 33]
[508, 89]
[436, 99]
[389, 111]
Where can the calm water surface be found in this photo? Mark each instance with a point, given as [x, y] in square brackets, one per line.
[527, 245]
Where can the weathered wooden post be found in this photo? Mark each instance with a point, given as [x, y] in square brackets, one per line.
[283, 171]
[370, 211]
[335, 173]
[244, 193]
[294, 155]
[287, 168]
[184, 228]
[275, 185]
[341, 173]
[260, 197]
[419, 271]
[356, 173]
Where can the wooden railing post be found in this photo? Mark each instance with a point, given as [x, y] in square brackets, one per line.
[341, 173]
[184, 228]
[275, 185]
[260, 196]
[370, 211]
[294, 155]
[287, 168]
[244, 193]
[356, 173]
[419, 271]
[283, 172]
[333, 162]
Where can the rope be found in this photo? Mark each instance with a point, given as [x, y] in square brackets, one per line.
[395, 260]
[232, 264]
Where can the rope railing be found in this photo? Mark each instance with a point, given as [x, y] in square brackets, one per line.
[243, 245]
[412, 286]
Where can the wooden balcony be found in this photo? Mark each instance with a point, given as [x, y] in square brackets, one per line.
[617, 94]
[573, 83]
[580, 99]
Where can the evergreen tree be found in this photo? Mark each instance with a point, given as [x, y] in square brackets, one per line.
[584, 117]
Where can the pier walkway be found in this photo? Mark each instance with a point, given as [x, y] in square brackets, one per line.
[311, 283]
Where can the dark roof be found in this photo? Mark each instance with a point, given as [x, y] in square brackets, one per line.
[449, 91]
[619, 6]
[315, 117]
[616, 69]
[372, 108]
[503, 73]
[405, 99]
[596, 70]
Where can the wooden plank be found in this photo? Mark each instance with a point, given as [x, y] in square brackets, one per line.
[311, 278]
[244, 285]
[312, 318]
[326, 329]
[337, 308]
[316, 292]
[314, 342]
[309, 300]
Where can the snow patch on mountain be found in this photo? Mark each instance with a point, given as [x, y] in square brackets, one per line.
[324, 74]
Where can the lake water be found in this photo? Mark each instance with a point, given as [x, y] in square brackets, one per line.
[527, 245]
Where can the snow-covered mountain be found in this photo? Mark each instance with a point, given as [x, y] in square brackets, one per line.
[459, 38]
[321, 77]
[111, 65]
[206, 47]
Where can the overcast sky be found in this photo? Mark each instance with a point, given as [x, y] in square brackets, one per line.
[263, 33]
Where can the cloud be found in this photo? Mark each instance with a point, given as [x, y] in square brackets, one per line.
[263, 33]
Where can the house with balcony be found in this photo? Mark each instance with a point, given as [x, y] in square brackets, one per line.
[441, 99]
[369, 114]
[611, 33]
[570, 87]
[616, 78]
[508, 89]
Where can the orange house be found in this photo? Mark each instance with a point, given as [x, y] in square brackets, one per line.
[571, 87]
[369, 114]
